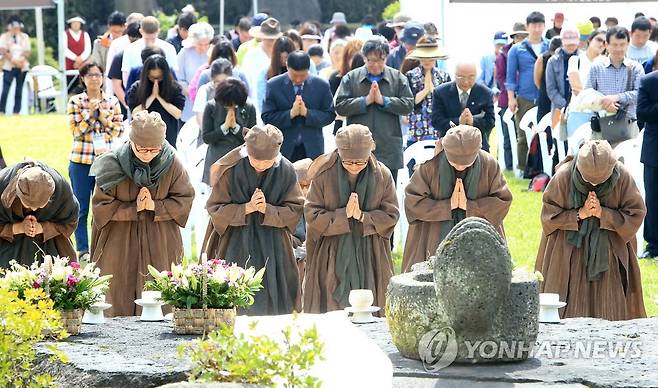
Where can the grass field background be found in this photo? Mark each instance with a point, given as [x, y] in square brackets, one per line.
[48, 139]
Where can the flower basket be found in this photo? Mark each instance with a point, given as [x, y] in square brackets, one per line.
[205, 295]
[194, 321]
[71, 320]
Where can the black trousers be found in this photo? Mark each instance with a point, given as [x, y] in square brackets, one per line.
[651, 200]
[7, 77]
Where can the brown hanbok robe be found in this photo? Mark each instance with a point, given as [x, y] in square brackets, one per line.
[426, 212]
[327, 221]
[258, 240]
[124, 242]
[59, 219]
[618, 294]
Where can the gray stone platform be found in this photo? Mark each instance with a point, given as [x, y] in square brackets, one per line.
[127, 353]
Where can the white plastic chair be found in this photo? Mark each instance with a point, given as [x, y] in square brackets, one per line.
[547, 158]
[508, 118]
[44, 85]
[629, 153]
[579, 137]
[193, 157]
[419, 152]
[501, 138]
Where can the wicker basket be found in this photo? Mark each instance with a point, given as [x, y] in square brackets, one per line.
[71, 320]
[192, 321]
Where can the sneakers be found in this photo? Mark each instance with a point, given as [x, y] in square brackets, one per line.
[647, 255]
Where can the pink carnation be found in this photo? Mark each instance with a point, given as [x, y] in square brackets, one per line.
[72, 281]
[36, 284]
[74, 265]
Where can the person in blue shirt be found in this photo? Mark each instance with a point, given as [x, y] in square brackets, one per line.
[521, 89]
[488, 62]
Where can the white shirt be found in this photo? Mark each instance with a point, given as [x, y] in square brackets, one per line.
[118, 45]
[581, 64]
[77, 36]
[255, 61]
[132, 56]
[537, 48]
[201, 99]
[16, 48]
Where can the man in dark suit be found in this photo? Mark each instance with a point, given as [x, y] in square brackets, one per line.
[464, 102]
[647, 111]
[299, 105]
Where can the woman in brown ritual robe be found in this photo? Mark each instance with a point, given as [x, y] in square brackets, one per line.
[351, 211]
[38, 214]
[460, 181]
[254, 207]
[592, 210]
[142, 198]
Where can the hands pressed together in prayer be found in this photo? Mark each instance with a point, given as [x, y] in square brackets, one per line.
[257, 203]
[230, 121]
[29, 227]
[375, 95]
[144, 200]
[353, 210]
[466, 117]
[298, 108]
[458, 199]
[591, 208]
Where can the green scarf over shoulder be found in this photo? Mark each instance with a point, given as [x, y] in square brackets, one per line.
[590, 236]
[354, 266]
[113, 167]
[447, 179]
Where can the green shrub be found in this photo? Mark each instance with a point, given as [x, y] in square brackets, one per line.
[226, 357]
[22, 324]
[391, 10]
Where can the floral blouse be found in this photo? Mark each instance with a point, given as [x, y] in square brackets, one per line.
[420, 120]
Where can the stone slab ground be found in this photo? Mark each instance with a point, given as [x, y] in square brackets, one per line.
[127, 353]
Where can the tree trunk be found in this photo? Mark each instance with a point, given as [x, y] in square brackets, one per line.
[147, 7]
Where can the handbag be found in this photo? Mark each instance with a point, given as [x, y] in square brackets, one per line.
[619, 127]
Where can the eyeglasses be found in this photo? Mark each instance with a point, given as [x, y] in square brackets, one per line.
[354, 163]
[377, 61]
[153, 151]
[94, 75]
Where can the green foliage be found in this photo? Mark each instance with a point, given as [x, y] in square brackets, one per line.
[228, 286]
[354, 10]
[391, 10]
[246, 359]
[49, 55]
[24, 320]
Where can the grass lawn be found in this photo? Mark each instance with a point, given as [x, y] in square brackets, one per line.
[48, 139]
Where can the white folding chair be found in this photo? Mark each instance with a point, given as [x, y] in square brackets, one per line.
[419, 152]
[508, 118]
[193, 156]
[580, 136]
[44, 87]
[629, 153]
[540, 129]
[500, 137]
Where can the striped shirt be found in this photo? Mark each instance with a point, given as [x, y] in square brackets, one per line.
[84, 124]
[609, 80]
